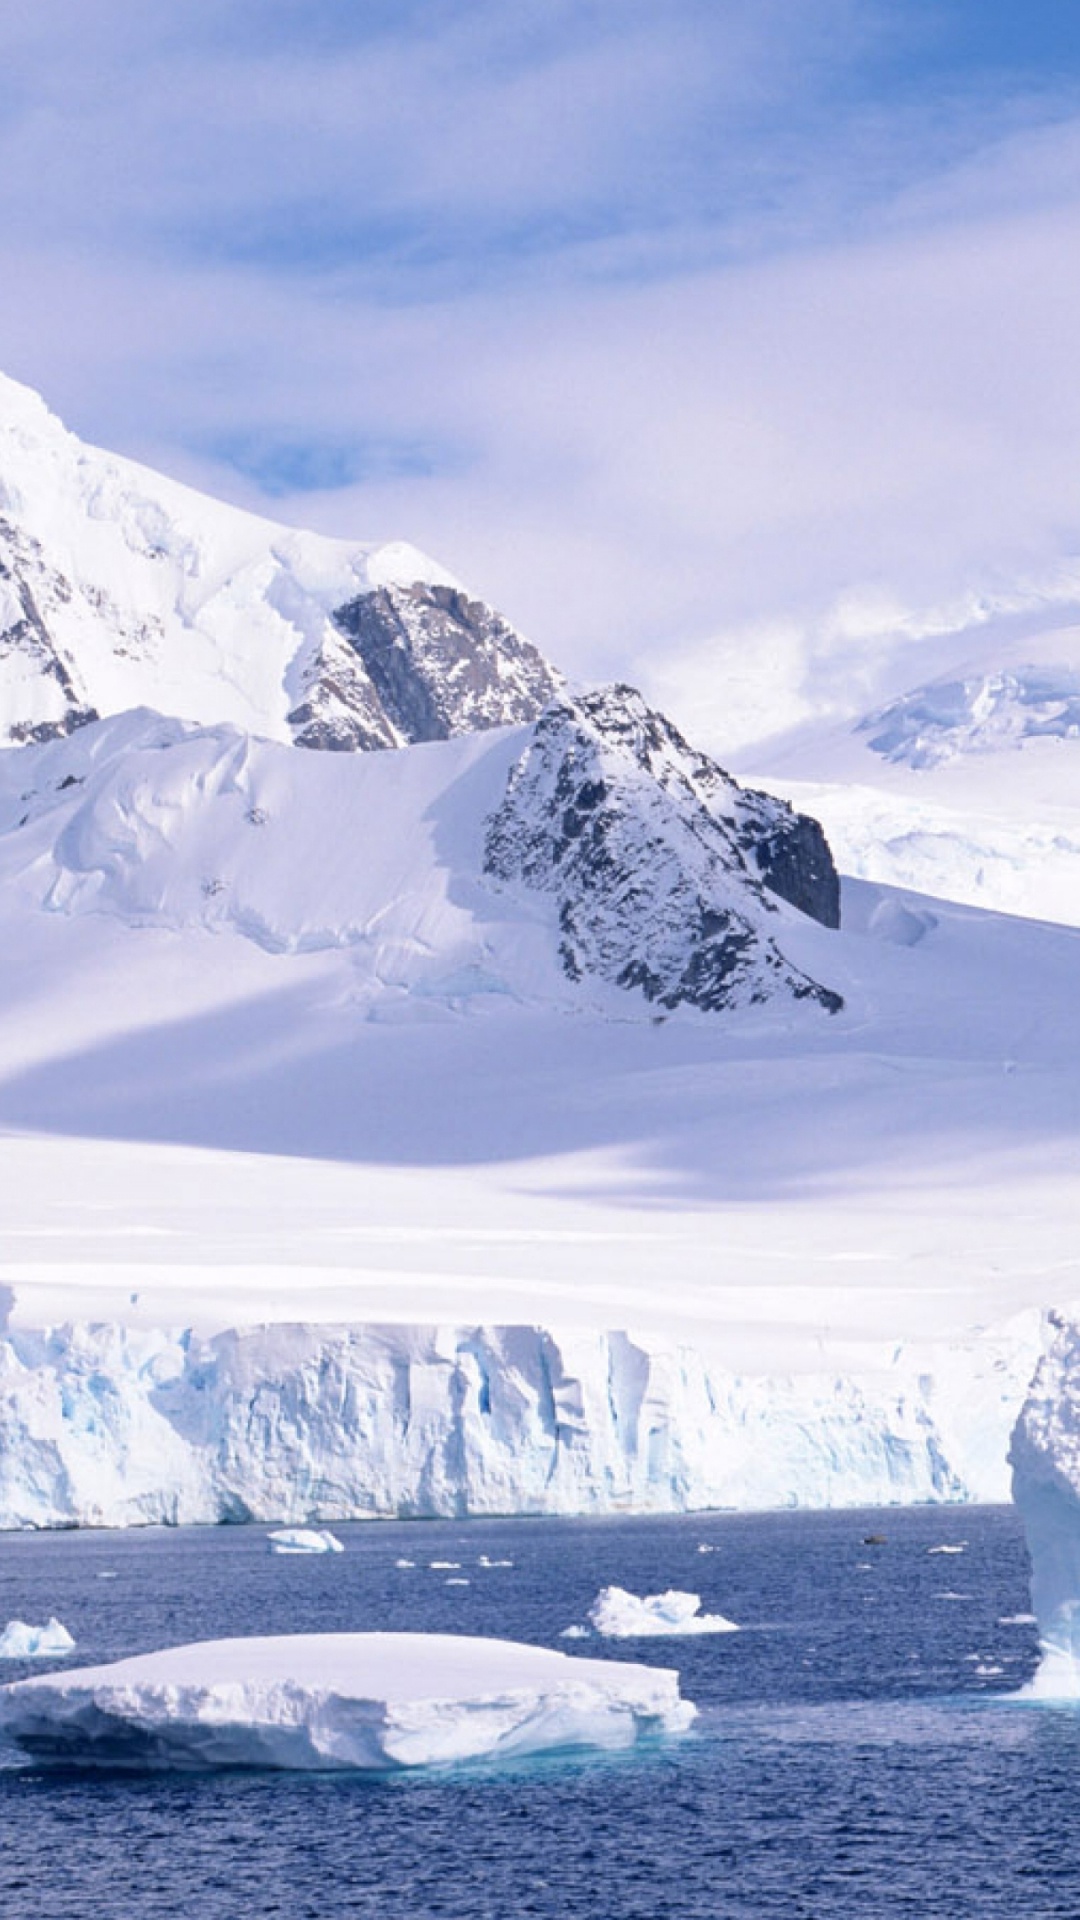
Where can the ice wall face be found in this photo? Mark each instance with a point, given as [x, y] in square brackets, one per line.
[663, 868]
[106, 1426]
[1045, 1456]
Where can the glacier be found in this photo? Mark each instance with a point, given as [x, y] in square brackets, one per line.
[302, 1425]
[338, 1701]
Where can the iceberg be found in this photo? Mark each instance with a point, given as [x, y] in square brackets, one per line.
[305, 1540]
[21, 1641]
[338, 1701]
[1045, 1456]
[619, 1615]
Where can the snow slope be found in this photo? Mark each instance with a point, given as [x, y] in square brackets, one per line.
[331, 1701]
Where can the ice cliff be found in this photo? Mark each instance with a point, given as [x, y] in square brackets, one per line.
[112, 1426]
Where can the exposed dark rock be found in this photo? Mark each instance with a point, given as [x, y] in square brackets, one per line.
[654, 856]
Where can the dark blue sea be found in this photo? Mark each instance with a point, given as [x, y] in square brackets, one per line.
[857, 1753]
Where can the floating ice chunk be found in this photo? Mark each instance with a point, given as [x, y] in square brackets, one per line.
[624, 1616]
[339, 1700]
[304, 1540]
[704, 1547]
[458, 1581]
[441, 1566]
[574, 1633]
[21, 1641]
[485, 1562]
[404, 1563]
[960, 1547]
[1017, 1620]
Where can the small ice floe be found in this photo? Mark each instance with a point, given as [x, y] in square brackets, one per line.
[338, 1700]
[987, 1671]
[485, 1562]
[21, 1641]
[457, 1581]
[574, 1633]
[1017, 1620]
[959, 1547]
[107, 1573]
[952, 1596]
[627, 1616]
[304, 1540]
[442, 1566]
[404, 1563]
[704, 1547]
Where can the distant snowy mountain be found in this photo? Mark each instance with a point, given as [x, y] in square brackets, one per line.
[120, 588]
[966, 786]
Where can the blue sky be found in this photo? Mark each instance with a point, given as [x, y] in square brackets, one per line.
[677, 327]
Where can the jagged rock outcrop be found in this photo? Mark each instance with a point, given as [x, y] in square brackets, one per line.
[654, 855]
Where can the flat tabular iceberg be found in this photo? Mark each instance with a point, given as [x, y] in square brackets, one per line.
[305, 1540]
[337, 1701]
[21, 1641]
[627, 1616]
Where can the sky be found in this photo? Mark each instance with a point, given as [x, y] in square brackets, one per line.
[725, 345]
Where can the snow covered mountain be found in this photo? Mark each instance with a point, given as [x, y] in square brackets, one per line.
[504, 1122]
[120, 588]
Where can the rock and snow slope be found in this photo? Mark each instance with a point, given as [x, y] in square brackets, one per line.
[394, 857]
[328, 1701]
[120, 588]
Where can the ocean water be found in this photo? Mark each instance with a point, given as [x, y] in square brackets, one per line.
[857, 1754]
